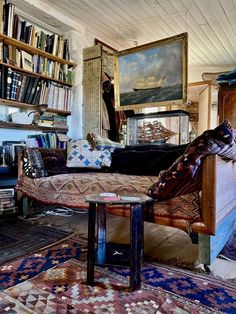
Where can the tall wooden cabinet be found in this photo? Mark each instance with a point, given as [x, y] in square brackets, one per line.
[97, 61]
[227, 103]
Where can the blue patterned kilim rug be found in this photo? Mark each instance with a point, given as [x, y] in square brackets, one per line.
[165, 285]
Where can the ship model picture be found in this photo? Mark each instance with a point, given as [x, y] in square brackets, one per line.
[153, 132]
[149, 82]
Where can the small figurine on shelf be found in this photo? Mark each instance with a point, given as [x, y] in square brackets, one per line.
[38, 113]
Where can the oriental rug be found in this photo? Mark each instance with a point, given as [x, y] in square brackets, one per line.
[63, 289]
[18, 238]
[11, 306]
[198, 292]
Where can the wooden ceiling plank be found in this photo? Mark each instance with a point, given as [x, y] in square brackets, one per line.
[137, 19]
[201, 38]
[229, 6]
[181, 22]
[224, 56]
[193, 49]
[215, 24]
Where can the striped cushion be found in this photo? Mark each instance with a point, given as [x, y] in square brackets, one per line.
[33, 165]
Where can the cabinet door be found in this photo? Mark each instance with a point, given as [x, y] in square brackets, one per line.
[204, 109]
[227, 104]
[92, 95]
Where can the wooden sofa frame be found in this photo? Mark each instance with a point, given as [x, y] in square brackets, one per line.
[217, 206]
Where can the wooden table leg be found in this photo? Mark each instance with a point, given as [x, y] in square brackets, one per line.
[91, 244]
[101, 234]
[136, 241]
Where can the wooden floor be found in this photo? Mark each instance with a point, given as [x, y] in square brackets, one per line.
[161, 244]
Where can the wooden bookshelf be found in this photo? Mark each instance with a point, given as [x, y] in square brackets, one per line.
[21, 105]
[30, 73]
[33, 51]
[31, 76]
[12, 125]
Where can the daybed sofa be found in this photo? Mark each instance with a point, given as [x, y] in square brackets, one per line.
[196, 192]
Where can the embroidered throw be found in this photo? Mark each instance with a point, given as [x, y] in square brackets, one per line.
[184, 176]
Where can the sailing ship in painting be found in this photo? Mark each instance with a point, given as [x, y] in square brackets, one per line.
[149, 82]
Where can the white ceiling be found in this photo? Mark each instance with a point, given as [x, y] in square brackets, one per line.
[211, 24]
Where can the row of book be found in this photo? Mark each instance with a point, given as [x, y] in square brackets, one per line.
[33, 90]
[14, 26]
[55, 96]
[47, 140]
[35, 63]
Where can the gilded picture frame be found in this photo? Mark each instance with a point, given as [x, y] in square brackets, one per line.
[151, 75]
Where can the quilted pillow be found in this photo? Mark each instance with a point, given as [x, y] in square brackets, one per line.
[80, 154]
[33, 165]
[54, 160]
[101, 142]
[184, 176]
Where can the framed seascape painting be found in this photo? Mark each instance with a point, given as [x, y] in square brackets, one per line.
[153, 74]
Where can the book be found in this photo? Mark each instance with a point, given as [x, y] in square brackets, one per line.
[33, 90]
[1, 16]
[27, 61]
[29, 88]
[23, 31]
[15, 79]
[9, 83]
[55, 45]
[22, 88]
[6, 9]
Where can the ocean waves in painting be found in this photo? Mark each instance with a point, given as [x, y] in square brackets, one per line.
[166, 93]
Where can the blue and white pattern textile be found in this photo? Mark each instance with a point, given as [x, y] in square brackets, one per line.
[80, 154]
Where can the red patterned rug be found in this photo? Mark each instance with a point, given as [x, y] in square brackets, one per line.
[56, 278]
[63, 289]
[8, 305]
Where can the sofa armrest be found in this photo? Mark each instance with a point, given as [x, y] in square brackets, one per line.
[218, 190]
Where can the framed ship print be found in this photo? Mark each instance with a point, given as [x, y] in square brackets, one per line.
[153, 74]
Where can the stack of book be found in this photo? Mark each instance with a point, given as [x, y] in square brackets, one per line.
[7, 201]
[49, 119]
[59, 121]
